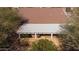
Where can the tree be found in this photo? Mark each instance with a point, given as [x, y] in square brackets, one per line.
[9, 23]
[43, 45]
[70, 31]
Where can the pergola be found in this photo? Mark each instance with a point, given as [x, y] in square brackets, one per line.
[39, 29]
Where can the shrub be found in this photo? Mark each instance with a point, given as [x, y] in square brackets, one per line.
[43, 45]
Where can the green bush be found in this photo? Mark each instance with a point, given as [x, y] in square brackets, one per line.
[43, 45]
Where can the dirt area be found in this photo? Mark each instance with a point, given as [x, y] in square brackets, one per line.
[55, 40]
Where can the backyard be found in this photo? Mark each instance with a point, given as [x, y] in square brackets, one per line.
[30, 41]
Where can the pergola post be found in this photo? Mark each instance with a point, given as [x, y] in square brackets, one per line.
[35, 36]
[51, 35]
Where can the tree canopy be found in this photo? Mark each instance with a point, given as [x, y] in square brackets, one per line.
[70, 31]
[9, 23]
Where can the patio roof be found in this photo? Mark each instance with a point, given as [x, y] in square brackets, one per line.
[39, 29]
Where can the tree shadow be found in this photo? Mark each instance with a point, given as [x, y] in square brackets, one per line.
[24, 21]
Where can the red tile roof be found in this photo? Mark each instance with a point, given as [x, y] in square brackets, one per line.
[43, 15]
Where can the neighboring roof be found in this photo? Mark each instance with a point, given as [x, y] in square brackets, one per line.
[43, 15]
[39, 29]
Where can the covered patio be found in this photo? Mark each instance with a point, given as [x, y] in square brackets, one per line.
[39, 29]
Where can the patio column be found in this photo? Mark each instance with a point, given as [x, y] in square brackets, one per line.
[51, 35]
[35, 36]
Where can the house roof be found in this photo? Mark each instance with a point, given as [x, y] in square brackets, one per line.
[43, 15]
[42, 20]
